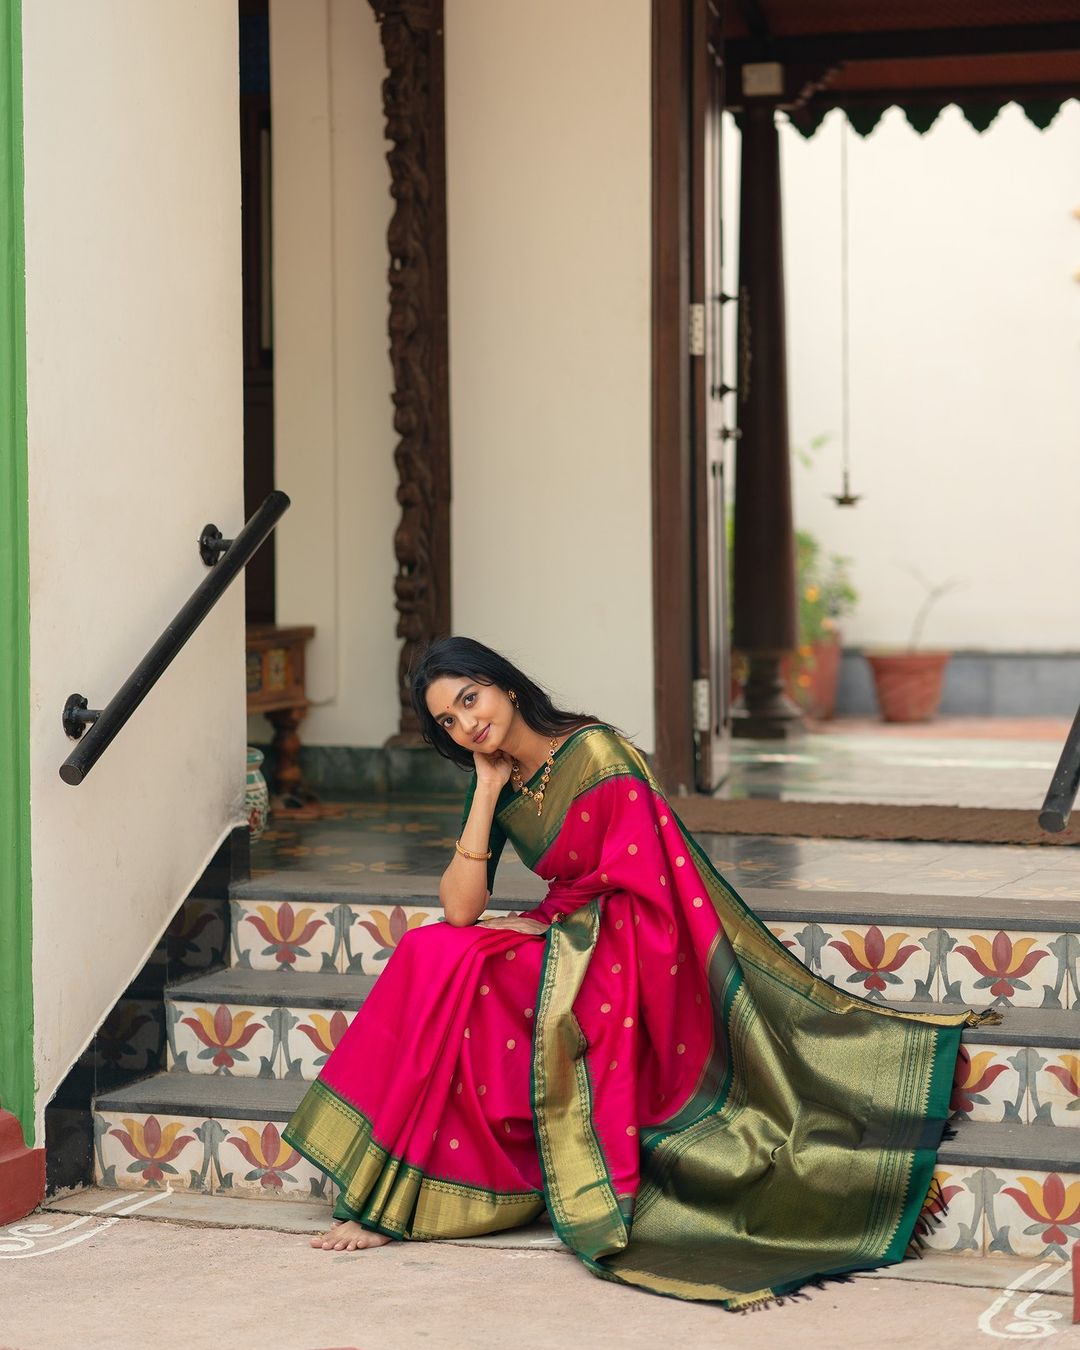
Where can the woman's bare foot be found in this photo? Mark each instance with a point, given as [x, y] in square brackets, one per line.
[349, 1237]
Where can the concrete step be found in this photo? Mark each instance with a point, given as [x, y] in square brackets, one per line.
[1008, 1189]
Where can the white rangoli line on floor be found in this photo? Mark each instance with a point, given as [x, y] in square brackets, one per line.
[23, 1240]
[1028, 1323]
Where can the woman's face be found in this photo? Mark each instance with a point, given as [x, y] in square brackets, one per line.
[477, 716]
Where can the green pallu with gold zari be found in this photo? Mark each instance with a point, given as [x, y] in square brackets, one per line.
[806, 1149]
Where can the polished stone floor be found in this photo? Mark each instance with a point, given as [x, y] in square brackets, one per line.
[362, 841]
[875, 765]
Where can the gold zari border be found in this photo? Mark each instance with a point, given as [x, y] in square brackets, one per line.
[389, 1194]
[580, 1196]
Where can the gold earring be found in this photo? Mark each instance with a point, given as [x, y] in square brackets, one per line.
[512, 696]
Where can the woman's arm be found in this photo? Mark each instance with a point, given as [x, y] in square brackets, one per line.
[463, 888]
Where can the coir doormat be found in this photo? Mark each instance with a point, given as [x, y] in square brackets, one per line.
[866, 820]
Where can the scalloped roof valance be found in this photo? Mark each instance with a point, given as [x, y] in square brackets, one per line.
[865, 56]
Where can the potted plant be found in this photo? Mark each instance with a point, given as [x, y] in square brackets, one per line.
[908, 681]
[825, 595]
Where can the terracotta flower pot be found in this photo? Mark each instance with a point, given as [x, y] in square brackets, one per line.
[908, 684]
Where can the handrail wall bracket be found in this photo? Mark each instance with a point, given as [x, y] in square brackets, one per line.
[78, 715]
[212, 545]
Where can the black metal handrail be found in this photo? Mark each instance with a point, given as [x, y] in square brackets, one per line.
[1061, 794]
[228, 558]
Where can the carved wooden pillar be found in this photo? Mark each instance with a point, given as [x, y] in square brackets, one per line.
[765, 614]
[412, 39]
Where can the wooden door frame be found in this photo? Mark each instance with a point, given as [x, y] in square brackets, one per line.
[672, 463]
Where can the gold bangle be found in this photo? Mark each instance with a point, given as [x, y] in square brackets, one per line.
[476, 857]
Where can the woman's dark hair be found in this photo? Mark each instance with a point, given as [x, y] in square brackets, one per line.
[465, 657]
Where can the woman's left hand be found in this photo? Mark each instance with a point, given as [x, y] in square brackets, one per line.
[517, 923]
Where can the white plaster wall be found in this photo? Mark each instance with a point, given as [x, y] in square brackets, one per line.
[334, 437]
[548, 171]
[965, 379]
[135, 442]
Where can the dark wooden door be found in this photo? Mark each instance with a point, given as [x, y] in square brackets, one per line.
[256, 268]
[711, 646]
[691, 645]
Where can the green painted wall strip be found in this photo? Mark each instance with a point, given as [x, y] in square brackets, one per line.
[16, 992]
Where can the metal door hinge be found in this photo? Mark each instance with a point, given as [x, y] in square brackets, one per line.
[702, 706]
[697, 330]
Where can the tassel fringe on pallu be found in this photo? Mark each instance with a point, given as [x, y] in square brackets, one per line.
[931, 1216]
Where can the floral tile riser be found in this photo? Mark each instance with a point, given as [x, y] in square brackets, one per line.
[309, 1038]
[256, 1162]
[1007, 1212]
[222, 1039]
[978, 969]
[208, 1156]
[1056, 1088]
[146, 1152]
[317, 936]
[989, 1086]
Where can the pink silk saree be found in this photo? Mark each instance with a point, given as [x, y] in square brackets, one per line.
[700, 1114]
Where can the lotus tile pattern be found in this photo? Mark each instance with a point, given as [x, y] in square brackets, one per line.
[346, 938]
[977, 969]
[220, 1157]
[1008, 1212]
[224, 1039]
[322, 937]
[310, 1039]
[145, 1152]
[1057, 1085]
[988, 1086]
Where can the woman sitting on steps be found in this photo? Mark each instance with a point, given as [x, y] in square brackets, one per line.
[700, 1115]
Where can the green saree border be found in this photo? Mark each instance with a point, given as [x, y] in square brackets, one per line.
[17, 1079]
[703, 1103]
[589, 756]
[837, 998]
[581, 1199]
[392, 1196]
[924, 1158]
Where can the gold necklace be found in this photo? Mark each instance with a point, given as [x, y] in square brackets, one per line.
[538, 794]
